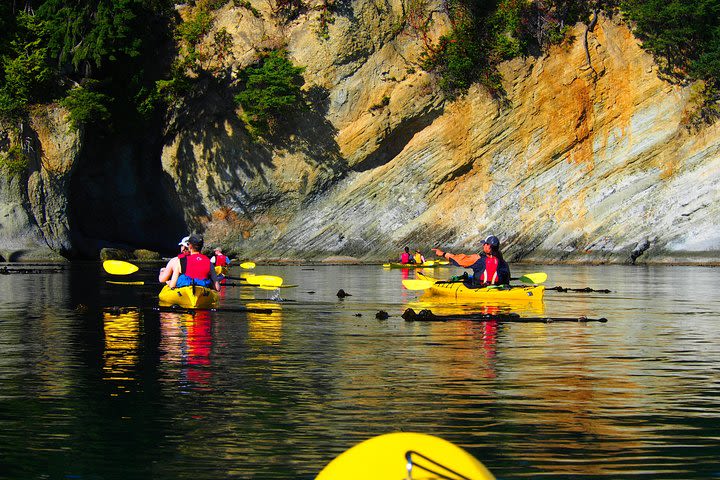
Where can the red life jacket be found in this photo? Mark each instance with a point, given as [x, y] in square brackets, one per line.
[490, 274]
[405, 258]
[220, 260]
[196, 266]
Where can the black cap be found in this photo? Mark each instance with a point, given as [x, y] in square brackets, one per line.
[493, 241]
[196, 240]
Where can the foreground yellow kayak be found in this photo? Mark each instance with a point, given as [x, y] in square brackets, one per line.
[459, 290]
[189, 297]
[402, 455]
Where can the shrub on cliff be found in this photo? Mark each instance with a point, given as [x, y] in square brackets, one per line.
[268, 90]
[684, 38]
[14, 162]
[85, 105]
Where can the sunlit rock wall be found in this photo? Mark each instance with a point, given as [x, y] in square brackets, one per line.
[587, 163]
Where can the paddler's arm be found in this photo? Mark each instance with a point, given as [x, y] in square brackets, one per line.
[175, 275]
[166, 273]
[458, 259]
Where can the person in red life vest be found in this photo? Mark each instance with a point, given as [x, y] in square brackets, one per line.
[406, 256]
[173, 265]
[195, 268]
[489, 267]
[219, 260]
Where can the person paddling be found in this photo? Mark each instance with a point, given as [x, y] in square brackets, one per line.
[489, 267]
[406, 256]
[195, 268]
[173, 265]
[219, 260]
[419, 258]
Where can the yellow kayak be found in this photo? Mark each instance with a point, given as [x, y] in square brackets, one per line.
[405, 455]
[192, 296]
[222, 270]
[459, 290]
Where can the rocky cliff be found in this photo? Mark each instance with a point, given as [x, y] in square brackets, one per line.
[34, 213]
[582, 163]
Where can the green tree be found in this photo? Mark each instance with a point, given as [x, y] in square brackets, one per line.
[269, 89]
[85, 105]
[26, 76]
[678, 32]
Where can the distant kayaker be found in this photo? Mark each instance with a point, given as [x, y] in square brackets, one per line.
[195, 268]
[219, 260]
[489, 267]
[406, 256]
[173, 265]
[419, 257]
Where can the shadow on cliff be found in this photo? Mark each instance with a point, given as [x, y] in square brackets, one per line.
[395, 142]
[213, 143]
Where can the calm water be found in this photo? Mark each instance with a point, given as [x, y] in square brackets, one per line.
[89, 394]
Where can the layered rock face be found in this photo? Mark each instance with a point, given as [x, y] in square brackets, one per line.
[580, 163]
[586, 163]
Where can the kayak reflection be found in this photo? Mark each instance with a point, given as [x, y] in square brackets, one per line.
[449, 306]
[187, 344]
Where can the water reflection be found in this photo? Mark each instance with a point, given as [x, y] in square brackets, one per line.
[199, 347]
[122, 344]
[186, 344]
[440, 305]
[278, 395]
[265, 327]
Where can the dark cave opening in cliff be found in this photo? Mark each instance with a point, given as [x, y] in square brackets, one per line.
[121, 198]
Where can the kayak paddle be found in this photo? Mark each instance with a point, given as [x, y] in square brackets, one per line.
[264, 280]
[533, 278]
[119, 267]
[247, 265]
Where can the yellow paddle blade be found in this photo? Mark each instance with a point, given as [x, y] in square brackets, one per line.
[264, 280]
[125, 283]
[270, 287]
[534, 278]
[414, 284]
[118, 267]
[247, 265]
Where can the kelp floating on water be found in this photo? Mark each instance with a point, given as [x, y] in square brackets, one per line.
[428, 316]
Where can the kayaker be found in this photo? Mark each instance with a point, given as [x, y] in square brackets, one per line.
[166, 273]
[195, 268]
[219, 260]
[419, 257]
[406, 256]
[489, 267]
